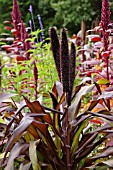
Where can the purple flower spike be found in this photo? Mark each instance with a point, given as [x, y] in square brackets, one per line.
[32, 23]
[30, 8]
[105, 21]
[41, 27]
[105, 17]
[16, 17]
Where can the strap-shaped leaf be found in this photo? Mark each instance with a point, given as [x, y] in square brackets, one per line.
[33, 156]
[74, 107]
[5, 96]
[24, 124]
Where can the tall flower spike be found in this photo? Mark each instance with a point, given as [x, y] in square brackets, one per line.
[32, 17]
[35, 70]
[24, 35]
[105, 21]
[16, 16]
[72, 64]
[41, 27]
[55, 46]
[64, 61]
[30, 9]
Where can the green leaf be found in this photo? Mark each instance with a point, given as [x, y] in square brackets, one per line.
[3, 154]
[76, 139]
[2, 121]
[2, 43]
[103, 82]
[33, 155]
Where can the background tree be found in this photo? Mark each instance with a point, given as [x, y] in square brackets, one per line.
[56, 12]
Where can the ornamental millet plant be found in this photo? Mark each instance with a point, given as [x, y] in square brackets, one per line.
[61, 137]
[65, 64]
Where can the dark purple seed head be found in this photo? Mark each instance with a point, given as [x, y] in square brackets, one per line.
[72, 64]
[64, 60]
[55, 47]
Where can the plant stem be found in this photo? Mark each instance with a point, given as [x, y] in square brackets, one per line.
[53, 110]
[107, 75]
[107, 62]
[0, 74]
[68, 155]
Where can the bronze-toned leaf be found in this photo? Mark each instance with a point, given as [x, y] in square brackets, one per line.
[39, 108]
[24, 124]
[31, 129]
[35, 107]
[54, 91]
[42, 127]
[107, 117]
[92, 105]
[54, 100]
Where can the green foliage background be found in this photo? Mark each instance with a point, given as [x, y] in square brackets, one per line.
[67, 13]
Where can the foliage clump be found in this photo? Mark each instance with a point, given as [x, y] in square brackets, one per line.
[73, 133]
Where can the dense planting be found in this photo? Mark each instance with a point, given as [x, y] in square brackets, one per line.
[56, 96]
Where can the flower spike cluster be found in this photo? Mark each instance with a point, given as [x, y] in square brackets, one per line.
[105, 21]
[16, 17]
[20, 28]
[64, 61]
